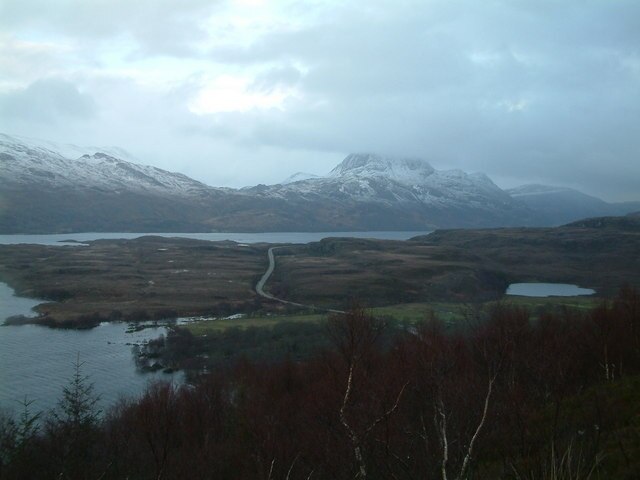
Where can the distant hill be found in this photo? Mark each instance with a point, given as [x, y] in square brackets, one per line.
[560, 205]
[629, 222]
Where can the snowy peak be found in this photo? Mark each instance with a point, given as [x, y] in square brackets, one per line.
[99, 156]
[65, 150]
[25, 161]
[366, 180]
[405, 170]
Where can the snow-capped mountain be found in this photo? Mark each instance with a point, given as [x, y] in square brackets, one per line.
[374, 178]
[413, 179]
[46, 188]
[406, 171]
[26, 161]
[403, 192]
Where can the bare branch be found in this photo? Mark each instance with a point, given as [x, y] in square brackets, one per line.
[389, 412]
[441, 426]
[467, 458]
[271, 469]
[105, 471]
[345, 401]
[353, 436]
[291, 467]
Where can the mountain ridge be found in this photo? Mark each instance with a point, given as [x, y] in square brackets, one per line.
[44, 191]
[560, 205]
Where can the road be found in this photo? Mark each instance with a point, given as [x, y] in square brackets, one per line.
[262, 282]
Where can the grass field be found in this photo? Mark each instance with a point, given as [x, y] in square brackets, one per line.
[406, 312]
[207, 326]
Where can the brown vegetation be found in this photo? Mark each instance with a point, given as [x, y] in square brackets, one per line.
[134, 280]
[458, 265]
[153, 277]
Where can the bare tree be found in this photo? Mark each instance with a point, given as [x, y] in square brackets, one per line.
[355, 334]
[440, 419]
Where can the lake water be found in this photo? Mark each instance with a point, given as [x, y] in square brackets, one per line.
[37, 362]
[269, 237]
[547, 290]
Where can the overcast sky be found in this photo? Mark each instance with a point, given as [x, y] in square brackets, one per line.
[243, 92]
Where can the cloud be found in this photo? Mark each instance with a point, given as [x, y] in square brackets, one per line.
[47, 101]
[24, 61]
[530, 90]
[154, 26]
[285, 75]
[544, 90]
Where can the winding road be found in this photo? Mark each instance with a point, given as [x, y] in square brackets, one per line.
[261, 283]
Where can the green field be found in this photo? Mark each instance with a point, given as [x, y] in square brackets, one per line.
[406, 312]
[204, 327]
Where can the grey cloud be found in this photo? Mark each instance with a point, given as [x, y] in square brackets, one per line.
[47, 101]
[536, 90]
[284, 75]
[519, 89]
[157, 26]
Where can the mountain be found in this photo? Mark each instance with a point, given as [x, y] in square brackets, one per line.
[32, 164]
[367, 191]
[560, 205]
[51, 188]
[45, 191]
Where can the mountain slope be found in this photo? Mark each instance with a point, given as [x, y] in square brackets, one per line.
[24, 163]
[43, 191]
[560, 205]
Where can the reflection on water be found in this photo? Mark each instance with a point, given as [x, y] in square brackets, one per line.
[37, 361]
[547, 290]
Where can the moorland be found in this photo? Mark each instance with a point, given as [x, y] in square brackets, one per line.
[159, 278]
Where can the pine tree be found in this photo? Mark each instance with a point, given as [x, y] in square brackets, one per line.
[74, 427]
[78, 406]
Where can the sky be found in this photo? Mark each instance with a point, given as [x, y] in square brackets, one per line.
[241, 92]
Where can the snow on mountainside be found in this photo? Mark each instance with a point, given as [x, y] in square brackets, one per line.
[27, 161]
[407, 171]
[59, 188]
[69, 150]
[366, 177]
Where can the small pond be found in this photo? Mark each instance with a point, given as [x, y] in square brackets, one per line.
[547, 290]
